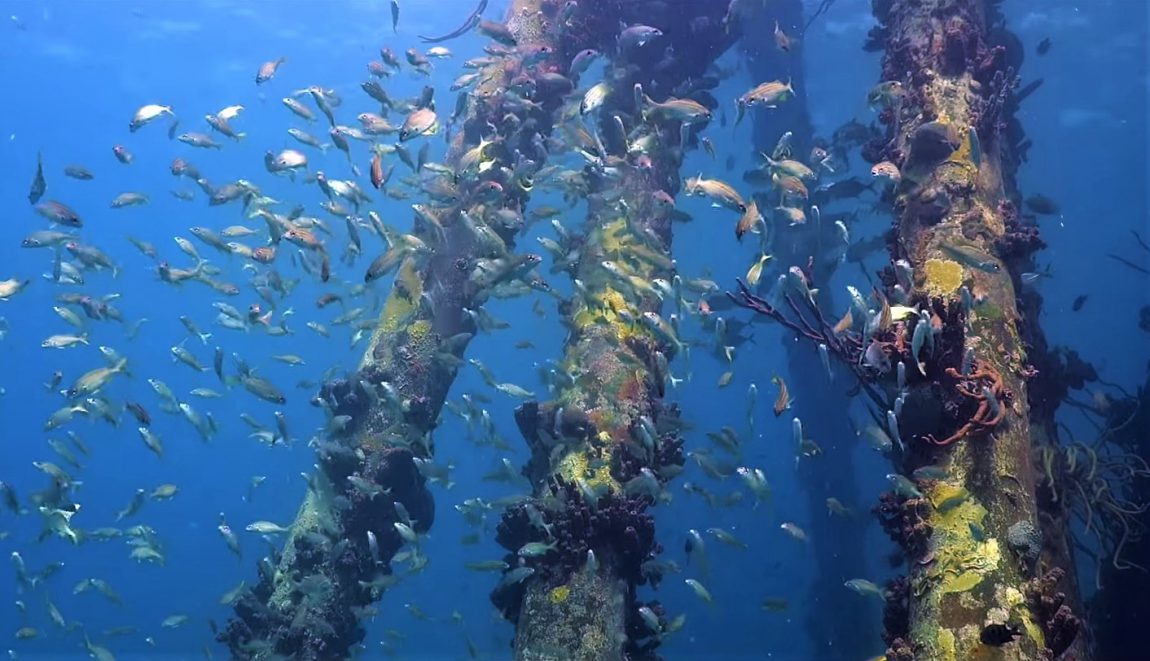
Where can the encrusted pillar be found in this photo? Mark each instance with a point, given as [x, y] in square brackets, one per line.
[588, 446]
[369, 492]
[604, 447]
[968, 518]
[940, 350]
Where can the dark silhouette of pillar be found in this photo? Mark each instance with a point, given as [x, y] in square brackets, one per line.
[823, 404]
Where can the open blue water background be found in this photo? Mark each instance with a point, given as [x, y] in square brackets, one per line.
[71, 80]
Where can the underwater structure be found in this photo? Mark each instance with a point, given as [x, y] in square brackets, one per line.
[969, 523]
[603, 448]
[368, 496]
[948, 375]
[991, 494]
[972, 531]
[950, 379]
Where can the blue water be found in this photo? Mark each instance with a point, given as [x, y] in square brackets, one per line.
[73, 74]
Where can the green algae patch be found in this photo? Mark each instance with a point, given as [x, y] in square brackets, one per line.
[407, 288]
[1021, 612]
[963, 556]
[578, 465]
[943, 277]
[560, 594]
[989, 313]
[946, 645]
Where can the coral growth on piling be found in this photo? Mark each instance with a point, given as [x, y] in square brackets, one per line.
[1059, 624]
[906, 522]
[617, 528]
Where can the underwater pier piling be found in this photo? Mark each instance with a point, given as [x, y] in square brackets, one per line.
[971, 533]
[576, 606]
[604, 447]
[311, 597]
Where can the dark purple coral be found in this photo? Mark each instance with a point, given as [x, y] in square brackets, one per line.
[617, 528]
[896, 611]
[1059, 624]
[345, 397]
[905, 522]
[899, 650]
[1021, 237]
[626, 465]
[959, 46]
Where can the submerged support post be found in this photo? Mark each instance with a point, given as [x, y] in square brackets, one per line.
[369, 481]
[824, 404]
[604, 447]
[586, 447]
[969, 522]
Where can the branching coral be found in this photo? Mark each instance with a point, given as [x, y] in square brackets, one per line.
[1093, 483]
[885, 343]
[848, 346]
[985, 386]
[1100, 483]
[991, 118]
